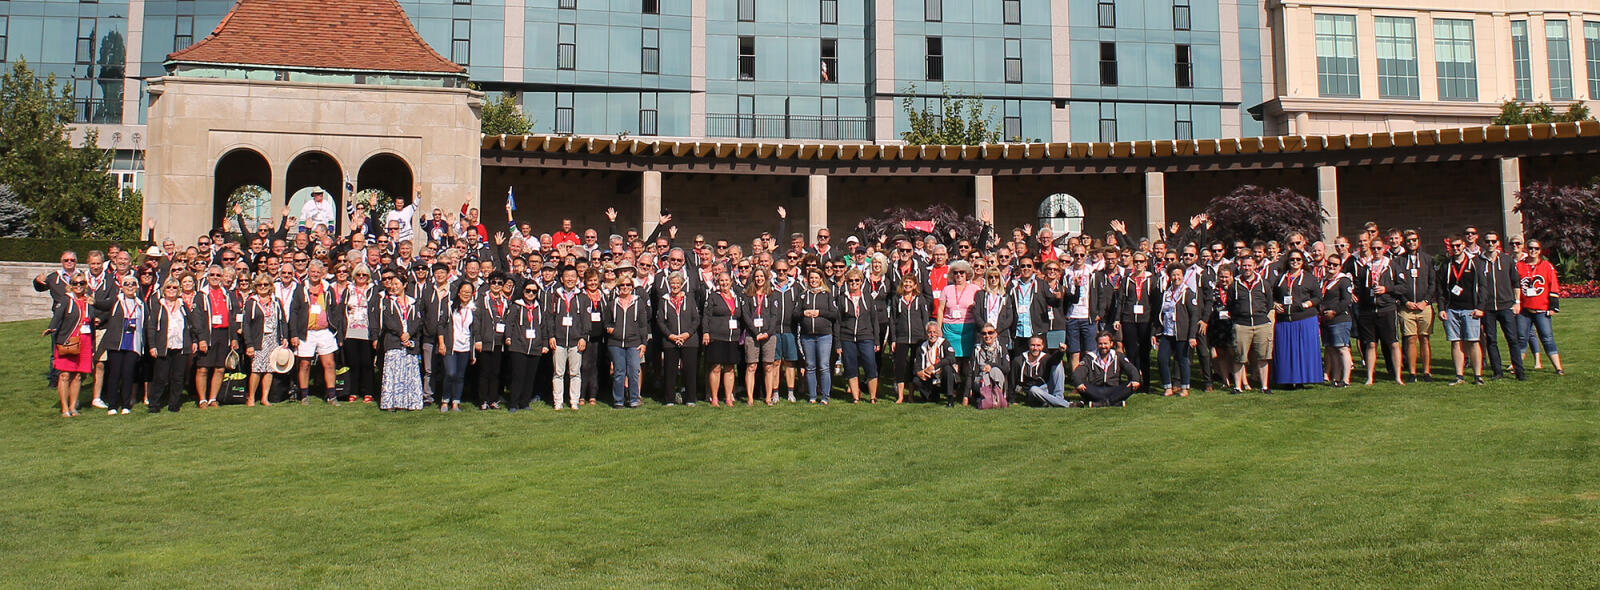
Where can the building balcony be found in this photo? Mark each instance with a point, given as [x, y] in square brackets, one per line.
[789, 127]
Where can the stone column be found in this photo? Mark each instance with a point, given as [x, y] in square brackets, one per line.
[983, 197]
[1510, 184]
[1155, 204]
[1328, 198]
[649, 202]
[816, 204]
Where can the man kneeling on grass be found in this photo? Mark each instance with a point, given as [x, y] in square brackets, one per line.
[1107, 378]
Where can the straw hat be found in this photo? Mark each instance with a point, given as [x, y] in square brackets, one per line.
[282, 360]
[153, 252]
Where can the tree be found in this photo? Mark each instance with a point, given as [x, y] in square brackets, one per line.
[1517, 113]
[63, 185]
[1251, 212]
[13, 215]
[502, 116]
[1565, 220]
[117, 217]
[962, 121]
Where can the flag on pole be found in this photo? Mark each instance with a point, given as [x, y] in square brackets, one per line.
[922, 226]
[511, 201]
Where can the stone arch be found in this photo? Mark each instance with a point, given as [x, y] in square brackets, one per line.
[311, 169]
[388, 172]
[241, 167]
[1062, 213]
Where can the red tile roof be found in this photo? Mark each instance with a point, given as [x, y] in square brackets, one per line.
[361, 35]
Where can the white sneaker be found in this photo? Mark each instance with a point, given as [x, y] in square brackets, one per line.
[111, 412]
[126, 411]
[98, 404]
[791, 398]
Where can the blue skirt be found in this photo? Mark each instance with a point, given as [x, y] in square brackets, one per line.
[1297, 352]
[961, 338]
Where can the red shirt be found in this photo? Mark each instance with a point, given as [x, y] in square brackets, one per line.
[1538, 282]
[561, 237]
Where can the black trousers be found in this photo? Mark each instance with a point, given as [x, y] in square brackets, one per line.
[1107, 394]
[596, 362]
[358, 356]
[489, 375]
[1491, 341]
[524, 376]
[903, 371]
[1202, 352]
[1136, 344]
[170, 377]
[117, 392]
[948, 386]
[676, 362]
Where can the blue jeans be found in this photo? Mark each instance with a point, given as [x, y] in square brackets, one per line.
[1507, 322]
[1173, 354]
[1050, 392]
[819, 372]
[455, 376]
[1080, 335]
[859, 354]
[624, 370]
[1529, 322]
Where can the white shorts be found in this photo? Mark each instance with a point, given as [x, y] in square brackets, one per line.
[316, 343]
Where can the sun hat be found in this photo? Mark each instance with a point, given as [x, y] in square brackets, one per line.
[282, 360]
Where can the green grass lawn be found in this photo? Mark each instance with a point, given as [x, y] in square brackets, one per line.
[1423, 485]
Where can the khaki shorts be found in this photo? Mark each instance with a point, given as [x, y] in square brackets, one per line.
[765, 351]
[1252, 342]
[1417, 323]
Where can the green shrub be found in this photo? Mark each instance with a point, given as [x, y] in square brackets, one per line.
[49, 249]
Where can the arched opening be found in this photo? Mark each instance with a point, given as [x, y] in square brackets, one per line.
[382, 178]
[313, 171]
[1063, 214]
[242, 177]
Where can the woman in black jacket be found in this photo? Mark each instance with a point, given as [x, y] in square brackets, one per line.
[678, 320]
[1177, 328]
[171, 336]
[489, 339]
[908, 319]
[722, 328]
[815, 312]
[122, 343]
[1334, 307]
[397, 323]
[627, 324]
[526, 345]
[759, 316]
[1297, 352]
[856, 336]
[266, 329]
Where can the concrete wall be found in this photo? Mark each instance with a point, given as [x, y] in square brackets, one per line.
[16, 284]
[193, 122]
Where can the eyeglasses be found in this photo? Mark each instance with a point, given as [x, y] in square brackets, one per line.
[1027, 266]
[1471, 232]
[1297, 259]
[852, 280]
[1140, 261]
[170, 288]
[1533, 248]
[363, 274]
[79, 283]
[204, 243]
[1492, 241]
[342, 272]
[988, 332]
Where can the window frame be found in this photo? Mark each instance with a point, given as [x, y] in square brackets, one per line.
[1399, 78]
[649, 50]
[1561, 64]
[1013, 60]
[746, 61]
[829, 56]
[461, 43]
[1462, 85]
[1184, 22]
[1339, 84]
[1108, 66]
[1183, 65]
[933, 62]
[1106, 14]
[566, 50]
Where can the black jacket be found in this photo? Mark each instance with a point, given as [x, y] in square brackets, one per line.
[525, 316]
[155, 328]
[858, 319]
[827, 308]
[566, 319]
[390, 321]
[908, 321]
[673, 320]
[716, 315]
[627, 327]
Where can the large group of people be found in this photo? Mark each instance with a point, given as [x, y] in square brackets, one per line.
[404, 313]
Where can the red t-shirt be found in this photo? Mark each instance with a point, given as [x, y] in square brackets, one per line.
[1538, 282]
[561, 237]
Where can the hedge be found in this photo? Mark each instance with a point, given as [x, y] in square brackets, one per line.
[49, 249]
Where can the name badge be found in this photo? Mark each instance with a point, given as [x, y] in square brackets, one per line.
[566, 321]
[316, 308]
[528, 333]
[1138, 309]
[1530, 292]
[216, 319]
[1051, 314]
[85, 329]
[937, 295]
[594, 316]
[500, 327]
[1222, 314]
[1288, 300]
[238, 317]
[733, 325]
[759, 323]
[1456, 290]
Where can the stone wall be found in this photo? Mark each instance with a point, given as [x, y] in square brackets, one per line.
[21, 301]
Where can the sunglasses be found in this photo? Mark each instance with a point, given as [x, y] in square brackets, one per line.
[170, 288]
[79, 283]
[988, 332]
[1027, 266]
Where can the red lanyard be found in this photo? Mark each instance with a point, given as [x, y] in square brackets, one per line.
[1138, 287]
[1456, 272]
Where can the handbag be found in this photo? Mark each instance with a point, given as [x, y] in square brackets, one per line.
[74, 344]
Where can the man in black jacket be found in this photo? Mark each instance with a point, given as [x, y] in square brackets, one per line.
[1499, 284]
[1106, 378]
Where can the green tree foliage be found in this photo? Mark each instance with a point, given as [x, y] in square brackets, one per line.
[117, 217]
[502, 116]
[63, 185]
[962, 121]
[1518, 113]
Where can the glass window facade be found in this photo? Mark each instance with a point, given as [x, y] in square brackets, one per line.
[1591, 50]
[1456, 59]
[1559, 50]
[1397, 57]
[1521, 66]
[1338, 70]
